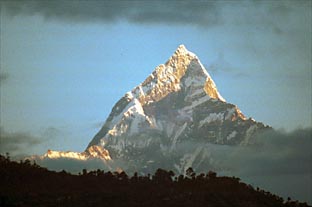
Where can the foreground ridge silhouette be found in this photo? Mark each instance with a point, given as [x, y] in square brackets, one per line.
[27, 184]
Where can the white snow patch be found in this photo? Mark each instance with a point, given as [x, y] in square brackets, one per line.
[169, 128]
[197, 92]
[129, 95]
[230, 113]
[250, 131]
[184, 116]
[212, 118]
[178, 133]
[134, 128]
[194, 81]
[134, 112]
[232, 135]
[159, 125]
[117, 118]
[141, 91]
[196, 103]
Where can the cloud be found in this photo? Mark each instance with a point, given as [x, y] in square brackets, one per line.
[169, 12]
[17, 143]
[199, 13]
[51, 133]
[276, 153]
[221, 65]
[3, 77]
[280, 163]
[72, 165]
[21, 143]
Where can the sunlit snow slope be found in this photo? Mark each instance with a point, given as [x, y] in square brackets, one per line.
[177, 103]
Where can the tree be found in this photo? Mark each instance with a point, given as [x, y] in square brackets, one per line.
[7, 156]
[135, 177]
[200, 177]
[27, 162]
[180, 178]
[99, 172]
[190, 173]
[121, 176]
[211, 175]
[163, 176]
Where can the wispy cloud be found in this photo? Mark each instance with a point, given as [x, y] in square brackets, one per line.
[22, 143]
[17, 143]
[221, 65]
[3, 77]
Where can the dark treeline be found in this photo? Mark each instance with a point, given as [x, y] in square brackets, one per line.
[27, 184]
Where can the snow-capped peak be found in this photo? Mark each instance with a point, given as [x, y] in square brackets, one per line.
[176, 106]
[183, 72]
[183, 51]
[167, 78]
[177, 101]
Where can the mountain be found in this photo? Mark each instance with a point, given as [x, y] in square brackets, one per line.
[170, 119]
[174, 119]
[91, 152]
[95, 157]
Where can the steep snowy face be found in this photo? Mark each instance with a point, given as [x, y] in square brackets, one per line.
[166, 78]
[183, 71]
[177, 103]
[174, 120]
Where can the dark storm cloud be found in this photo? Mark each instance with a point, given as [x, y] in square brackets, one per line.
[17, 142]
[201, 13]
[168, 12]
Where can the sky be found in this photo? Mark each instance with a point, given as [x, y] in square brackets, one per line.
[64, 64]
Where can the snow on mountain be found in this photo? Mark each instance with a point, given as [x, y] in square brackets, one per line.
[177, 103]
[168, 121]
[92, 152]
[167, 78]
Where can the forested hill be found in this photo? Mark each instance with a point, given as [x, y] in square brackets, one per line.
[27, 184]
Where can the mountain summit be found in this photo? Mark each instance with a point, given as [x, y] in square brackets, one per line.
[183, 72]
[177, 103]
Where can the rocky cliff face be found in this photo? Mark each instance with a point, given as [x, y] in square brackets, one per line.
[176, 105]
